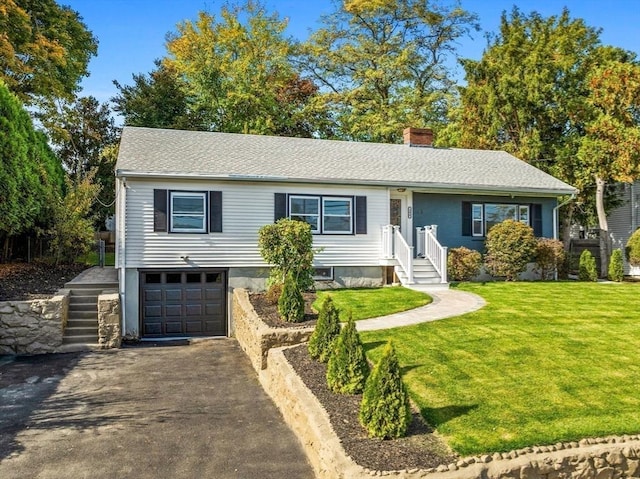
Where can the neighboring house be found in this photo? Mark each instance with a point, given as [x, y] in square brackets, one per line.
[190, 204]
[624, 220]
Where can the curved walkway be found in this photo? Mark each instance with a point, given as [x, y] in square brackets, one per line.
[446, 303]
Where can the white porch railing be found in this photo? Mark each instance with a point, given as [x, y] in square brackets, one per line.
[403, 253]
[429, 247]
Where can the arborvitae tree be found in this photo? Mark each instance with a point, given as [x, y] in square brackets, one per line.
[291, 302]
[348, 369]
[385, 412]
[587, 269]
[327, 330]
[616, 267]
[632, 248]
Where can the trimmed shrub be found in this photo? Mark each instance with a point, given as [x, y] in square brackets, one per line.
[291, 302]
[326, 331]
[587, 269]
[510, 246]
[550, 257]
[385, 411]
[463, 264]
[616, 267]
[348, 369]
[633, 248]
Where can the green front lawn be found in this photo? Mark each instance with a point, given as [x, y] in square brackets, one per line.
[373, 302]
[541, 363]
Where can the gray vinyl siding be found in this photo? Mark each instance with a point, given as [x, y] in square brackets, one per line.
[246, 207]
[623, 221]
[446, 212]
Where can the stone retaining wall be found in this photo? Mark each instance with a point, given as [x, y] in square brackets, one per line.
[109, 331]
[255, 337]
[599, 458]
[33, 327]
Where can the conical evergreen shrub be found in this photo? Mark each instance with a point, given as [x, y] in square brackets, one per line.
[587, 270]
[291, 302]
[385, 412]
[326, 332]
[616, 267]
[348, 369]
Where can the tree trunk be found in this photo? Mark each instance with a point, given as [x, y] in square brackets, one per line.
[604, 227]
[567, 219]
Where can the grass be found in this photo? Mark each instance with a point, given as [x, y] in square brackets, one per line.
[373, 302]
[92, 259]
[541, 363]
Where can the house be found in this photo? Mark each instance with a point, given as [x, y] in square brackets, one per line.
[189, 206]
[624, 220]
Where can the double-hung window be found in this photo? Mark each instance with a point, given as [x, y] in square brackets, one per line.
[188, 212]
[325, 214]
[485, 216]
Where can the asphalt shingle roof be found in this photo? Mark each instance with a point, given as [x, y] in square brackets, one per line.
[161, 152]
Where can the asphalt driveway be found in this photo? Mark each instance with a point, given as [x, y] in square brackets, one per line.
[194, 411]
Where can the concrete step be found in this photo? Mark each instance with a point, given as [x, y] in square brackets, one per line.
[77, 347]
[82, 323]
[83, 306]
[81, 339]
[84, 314]
[95, 286]
[94, 292]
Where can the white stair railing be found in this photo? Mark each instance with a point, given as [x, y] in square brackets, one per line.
[403, 253]
[435, 252]
[387, 242]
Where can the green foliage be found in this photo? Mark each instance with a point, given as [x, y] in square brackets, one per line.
[347, 369]
[29, 171]
[291, 301]
[288, 245]
[550, 257]
[326, 331]
[273, 293]
[587, 270]
[385, 411]
[632, 248]
[72, 230]
[463, 264]
[238, 74]
[44, 49]
[385, 65]
[616, 266]
[510, 246]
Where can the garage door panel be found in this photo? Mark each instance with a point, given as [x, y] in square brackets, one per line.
[183, 303]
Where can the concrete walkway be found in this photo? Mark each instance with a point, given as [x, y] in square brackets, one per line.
[96, 274]
[446, 304]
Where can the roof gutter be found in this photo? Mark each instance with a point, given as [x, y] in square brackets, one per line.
[423, 187]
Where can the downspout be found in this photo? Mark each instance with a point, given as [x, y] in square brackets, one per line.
[122, 263]
[555, 225]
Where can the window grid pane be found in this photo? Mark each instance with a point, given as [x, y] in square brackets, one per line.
[336, 215]
[306, 209]
[188, 212]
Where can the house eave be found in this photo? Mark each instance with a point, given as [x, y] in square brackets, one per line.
[420, 187]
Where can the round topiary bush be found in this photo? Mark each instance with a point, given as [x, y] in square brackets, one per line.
[347, 369]
[326, 331]
[587, 270]
[385, 411]
[463, 264]
[633, 248]
[616, 266]
[511, 245]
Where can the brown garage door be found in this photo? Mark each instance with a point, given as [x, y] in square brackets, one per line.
[183, 303]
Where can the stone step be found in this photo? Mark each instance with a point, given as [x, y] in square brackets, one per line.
[82, 323]
[84, 314]
[84, 339]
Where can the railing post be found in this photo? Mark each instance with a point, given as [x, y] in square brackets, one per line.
[410, 266]
[443, 274]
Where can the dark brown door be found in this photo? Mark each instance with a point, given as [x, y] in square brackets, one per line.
[183, 303]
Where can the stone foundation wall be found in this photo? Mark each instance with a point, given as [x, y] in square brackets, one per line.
[33, 327]
[598, 458]
[109, 330]
[255, 337]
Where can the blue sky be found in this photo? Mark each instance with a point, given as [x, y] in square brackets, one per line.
[131, 33]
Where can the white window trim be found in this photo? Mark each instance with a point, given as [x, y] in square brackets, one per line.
[318, 277]
[520, 208]
[482, 207]
[350, 216]
[310, 197]
[193, 194]
[473, 220]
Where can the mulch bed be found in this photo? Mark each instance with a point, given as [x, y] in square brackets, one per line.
[268, 312]
[25, 281]
[421, 448]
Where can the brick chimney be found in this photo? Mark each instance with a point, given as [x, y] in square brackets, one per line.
[418, 136]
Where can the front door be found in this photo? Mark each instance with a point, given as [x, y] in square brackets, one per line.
[398, 213]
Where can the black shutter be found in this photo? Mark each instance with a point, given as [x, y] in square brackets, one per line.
[536, 220]
[160, 210]
[361, 215]
[280, 206]
[466, 218]
[215, 211]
